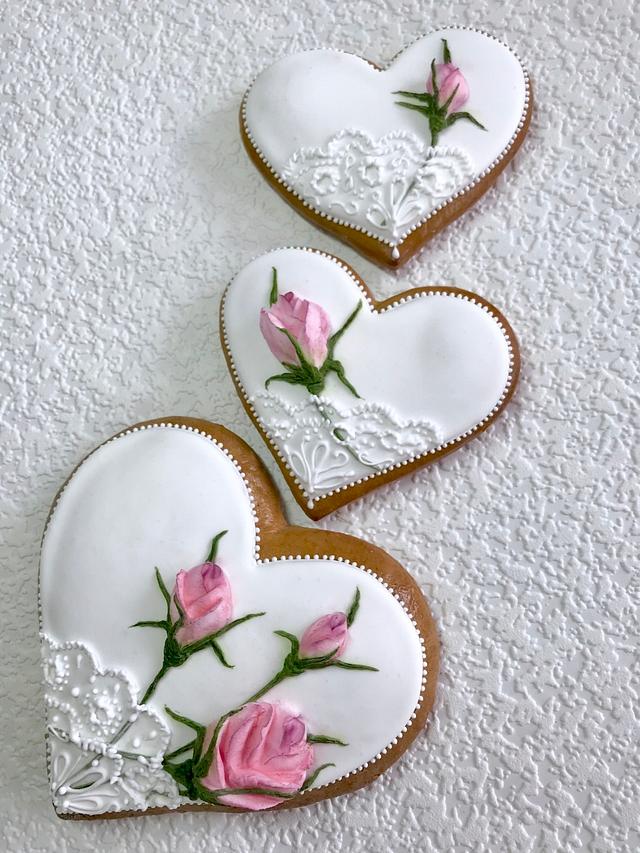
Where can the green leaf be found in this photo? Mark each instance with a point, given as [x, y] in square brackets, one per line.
[343, 664]
[163, 589]
[325, 739]
[146, 623]
[353, 608]
[454, 117]
[273, 296]
[214, 546]
[191, 724]
[220, 654]
[311, 779]
[446, 53]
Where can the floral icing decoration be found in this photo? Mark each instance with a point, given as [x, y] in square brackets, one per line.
[446, 91]
[199, 612]
[258, 755]
[298, 333]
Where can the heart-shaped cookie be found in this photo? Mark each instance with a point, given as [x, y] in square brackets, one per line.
[384, 159]
[374, 389]
[201, 654]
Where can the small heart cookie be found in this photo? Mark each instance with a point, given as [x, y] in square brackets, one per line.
[384, 159]
[199, 653]
[350, 393]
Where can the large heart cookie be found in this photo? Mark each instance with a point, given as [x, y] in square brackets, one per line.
[374, 389]
[386, 158]
[200, 653]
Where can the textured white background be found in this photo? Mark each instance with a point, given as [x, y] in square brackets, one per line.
[127, 202]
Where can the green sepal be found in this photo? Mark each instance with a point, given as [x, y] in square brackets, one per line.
[180, 718]
[180, 750]
[163, 589]
[343, 664]
[146, 623]
[220, 654]
[214, 546]
[295, 644]
[352, 612]
[447, 103]
[335, 337]
[425, 97]
[273, 295]
[326, 739]
[338, 369]
[434, 81]
[454, 117]
[446, 53]
[192, 648]
[182, 774]
[308, 782]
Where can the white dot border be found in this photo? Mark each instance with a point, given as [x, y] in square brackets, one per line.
[311, 500]
[395, 245]
[168, 424]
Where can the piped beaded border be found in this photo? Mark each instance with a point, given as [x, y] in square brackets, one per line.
[312, 500]
[259, 561]
[395, 253]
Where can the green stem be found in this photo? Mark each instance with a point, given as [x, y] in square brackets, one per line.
[281, 676]
[160, 674]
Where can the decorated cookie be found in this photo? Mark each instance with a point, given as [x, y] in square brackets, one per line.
[384, 159]
[350, 393]
[201, 654]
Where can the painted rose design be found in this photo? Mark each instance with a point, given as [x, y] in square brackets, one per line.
[262, 746]
[445, 93]
[298, 333]
[262, 753]
[199, 612]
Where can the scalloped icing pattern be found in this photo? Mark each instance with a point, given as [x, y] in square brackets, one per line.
[297, 113]
[430, 369]
[153, 496]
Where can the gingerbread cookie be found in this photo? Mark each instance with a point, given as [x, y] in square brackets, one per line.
[199, 653]
[384, 159]
[350, 393]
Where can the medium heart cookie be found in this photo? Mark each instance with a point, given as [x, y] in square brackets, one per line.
[350, 393]
[384, 159]
[199, 653]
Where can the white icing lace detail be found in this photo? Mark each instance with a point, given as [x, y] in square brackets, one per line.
[370, 438]
[105, 750]
[387, 184]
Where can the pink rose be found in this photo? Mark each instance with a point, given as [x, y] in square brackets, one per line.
[448, 76]
[204, 595]
[326, 634]
[262, 746]
[305, 321]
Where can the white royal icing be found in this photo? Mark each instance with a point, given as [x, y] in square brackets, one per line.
[155, 497]
[327, 125]
[429, 370]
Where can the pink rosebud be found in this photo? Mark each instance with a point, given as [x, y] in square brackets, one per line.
[305, 321]
[264, 745]
[204, 595]
[448, 76]
[326, 634]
